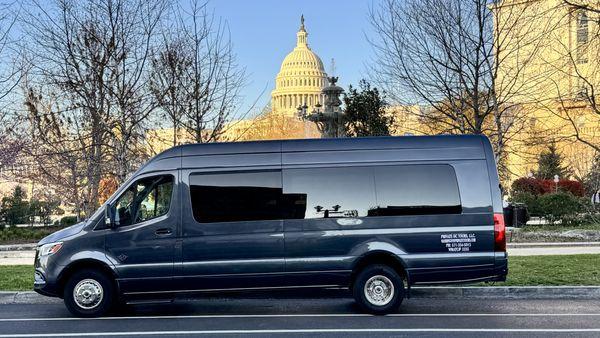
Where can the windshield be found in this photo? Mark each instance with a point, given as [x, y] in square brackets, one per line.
[102, 207]
[97, 213]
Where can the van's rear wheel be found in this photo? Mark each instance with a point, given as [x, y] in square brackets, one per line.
[89, 293]
[378, 289]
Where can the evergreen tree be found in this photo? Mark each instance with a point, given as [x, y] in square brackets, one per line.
[43, 210]
[15, 208]
[550, 163]
[365, 112]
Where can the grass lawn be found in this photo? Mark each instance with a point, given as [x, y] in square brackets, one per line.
[553, 270]
[532, 270]
[16, 277]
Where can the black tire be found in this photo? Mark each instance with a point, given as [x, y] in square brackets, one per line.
[381, 275]
[95, 309]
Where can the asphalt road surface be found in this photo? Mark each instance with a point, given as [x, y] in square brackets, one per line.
[267, 315]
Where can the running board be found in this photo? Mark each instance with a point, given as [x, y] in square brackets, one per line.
[148, 301]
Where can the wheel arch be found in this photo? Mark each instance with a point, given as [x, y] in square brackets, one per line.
[83, 264]
[380, 257]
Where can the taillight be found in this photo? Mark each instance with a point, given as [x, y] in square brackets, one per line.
[499, 233]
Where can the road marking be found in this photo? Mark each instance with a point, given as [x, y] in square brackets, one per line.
[216, 332]
[312, 315]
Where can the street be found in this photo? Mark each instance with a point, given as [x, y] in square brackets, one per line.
[330, 315]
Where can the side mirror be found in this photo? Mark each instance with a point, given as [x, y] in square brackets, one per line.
[109, 217]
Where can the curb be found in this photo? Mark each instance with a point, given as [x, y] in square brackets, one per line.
[25, 297]
[437, 292]
[507, 292]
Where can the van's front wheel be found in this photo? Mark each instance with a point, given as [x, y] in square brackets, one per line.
[378, 289]
[89, 293]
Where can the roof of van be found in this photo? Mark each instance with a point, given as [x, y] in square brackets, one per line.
[328, 144]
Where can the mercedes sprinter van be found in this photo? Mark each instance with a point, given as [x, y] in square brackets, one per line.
[375, 215]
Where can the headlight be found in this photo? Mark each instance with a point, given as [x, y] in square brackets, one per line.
[50, 248]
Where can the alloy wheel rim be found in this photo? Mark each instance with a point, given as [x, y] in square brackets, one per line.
[379, 290]
[88, 294]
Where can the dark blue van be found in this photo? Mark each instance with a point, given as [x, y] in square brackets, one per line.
[376, 215]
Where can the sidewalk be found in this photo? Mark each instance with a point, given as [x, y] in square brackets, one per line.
[24, 254]
[562, 248]
[21, 257]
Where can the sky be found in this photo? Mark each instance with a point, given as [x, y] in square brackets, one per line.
[263, 32]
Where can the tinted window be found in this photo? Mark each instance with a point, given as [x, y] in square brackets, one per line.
[416, 190]
[231, 197]
[327, 192]
[145, 199]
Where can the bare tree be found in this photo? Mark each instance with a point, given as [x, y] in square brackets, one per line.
[133, 28]
[56, 151]
[10, 75]
[213, 80]
[577, 104]
[589, 5]
[459, 60]
[93, 57]
[70, 61]
[169, 66]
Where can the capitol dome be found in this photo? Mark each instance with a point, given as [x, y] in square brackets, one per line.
[300, 79]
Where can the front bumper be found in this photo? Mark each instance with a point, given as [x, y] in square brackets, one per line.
[41, 286]
[44, 283]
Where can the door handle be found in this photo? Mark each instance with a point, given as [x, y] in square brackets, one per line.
[163, 232]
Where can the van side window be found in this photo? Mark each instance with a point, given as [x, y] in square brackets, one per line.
[416, 190]
[328, 192]
[145, 199]
[234, 197]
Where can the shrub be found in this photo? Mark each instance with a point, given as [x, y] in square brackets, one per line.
[25, 235]
[574, 187]
[548, 186]
[545, 198]
[560, 206]
[539, 187]
[68, 220]
[530, 202]
[528, 185]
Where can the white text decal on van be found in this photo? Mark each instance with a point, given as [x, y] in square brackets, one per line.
[458, 242]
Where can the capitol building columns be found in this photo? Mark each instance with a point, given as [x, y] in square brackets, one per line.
[289, 102]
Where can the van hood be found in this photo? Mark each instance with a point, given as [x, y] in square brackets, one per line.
[63, 233]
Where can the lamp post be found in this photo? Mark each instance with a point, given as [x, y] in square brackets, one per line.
[556, 179]
[331, 121]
